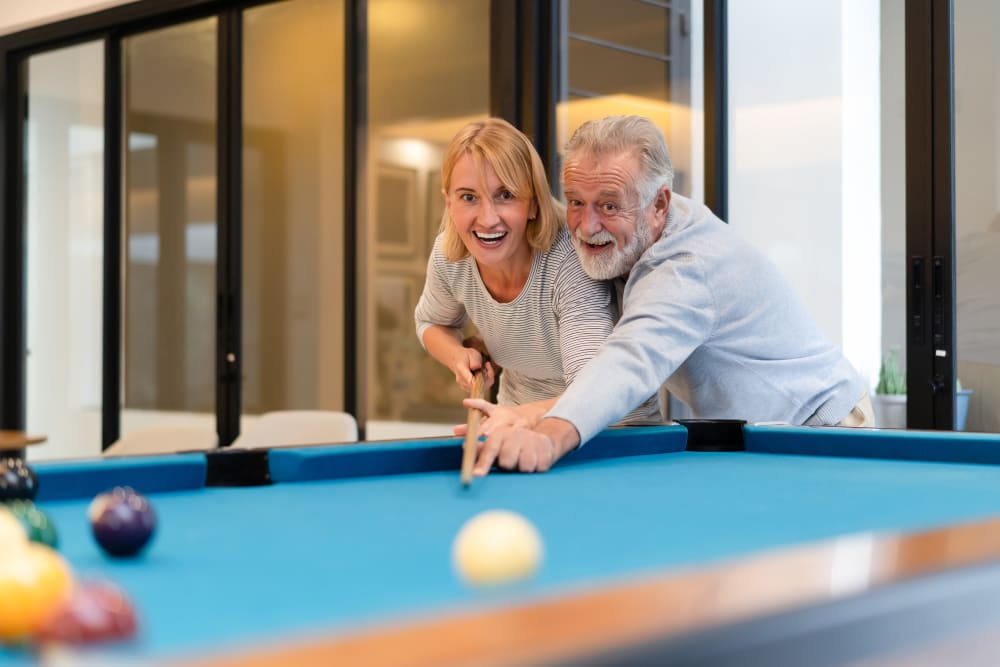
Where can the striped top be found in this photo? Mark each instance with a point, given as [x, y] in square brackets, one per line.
[542, 338]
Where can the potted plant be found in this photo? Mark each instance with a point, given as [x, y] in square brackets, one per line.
[889, 400]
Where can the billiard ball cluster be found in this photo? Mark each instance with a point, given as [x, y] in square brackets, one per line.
[41, 599]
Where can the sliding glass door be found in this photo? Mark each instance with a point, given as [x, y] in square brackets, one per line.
[169, 226]
[63, 259]
[977, 214]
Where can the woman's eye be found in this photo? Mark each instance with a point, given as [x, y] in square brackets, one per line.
[505, 195]
[467, 196]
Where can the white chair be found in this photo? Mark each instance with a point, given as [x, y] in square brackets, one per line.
[299, 427]
[163, 439]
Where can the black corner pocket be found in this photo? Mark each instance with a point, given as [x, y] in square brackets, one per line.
[714, 435]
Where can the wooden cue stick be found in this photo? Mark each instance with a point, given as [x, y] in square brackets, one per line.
[471, 445]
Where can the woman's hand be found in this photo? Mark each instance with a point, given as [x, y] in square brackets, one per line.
[495, 416]
[467, 361]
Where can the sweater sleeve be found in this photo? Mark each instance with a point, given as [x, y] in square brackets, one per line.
[438, 304]
[667, 313]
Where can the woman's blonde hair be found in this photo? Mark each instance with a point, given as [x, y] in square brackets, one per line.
[509, 152]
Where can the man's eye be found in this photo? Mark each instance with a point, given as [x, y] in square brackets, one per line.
[609, 207]
[575, 203]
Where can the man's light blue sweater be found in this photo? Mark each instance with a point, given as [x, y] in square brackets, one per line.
[709, 315]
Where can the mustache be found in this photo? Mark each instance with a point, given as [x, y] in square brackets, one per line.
[603, 236]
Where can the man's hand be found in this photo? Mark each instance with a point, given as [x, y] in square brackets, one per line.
[521, 448]
[515, 448]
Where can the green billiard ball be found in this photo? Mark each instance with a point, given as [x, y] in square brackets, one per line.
[36, 523]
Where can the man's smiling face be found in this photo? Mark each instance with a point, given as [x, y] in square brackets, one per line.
[610, 229]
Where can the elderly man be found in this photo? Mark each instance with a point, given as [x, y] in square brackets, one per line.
[702, 311]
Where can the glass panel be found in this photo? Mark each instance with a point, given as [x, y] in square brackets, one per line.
[816, 160]
[293, 200]
[890, 343]
[64, 181]
[424, 84]
[170, 228]
[636, 57]
[635, 25]
[977, 208]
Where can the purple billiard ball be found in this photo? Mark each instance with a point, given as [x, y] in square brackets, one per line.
[122, 521]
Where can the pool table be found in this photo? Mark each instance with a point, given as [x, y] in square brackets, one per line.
[767, 545]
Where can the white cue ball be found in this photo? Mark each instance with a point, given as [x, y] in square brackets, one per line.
[497, 547]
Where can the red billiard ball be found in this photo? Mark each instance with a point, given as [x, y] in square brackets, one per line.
[122, 521]
[94, 611]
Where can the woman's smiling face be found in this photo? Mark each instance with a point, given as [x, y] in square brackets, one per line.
[489, 218]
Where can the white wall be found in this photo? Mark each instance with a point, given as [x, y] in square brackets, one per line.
[17, 15]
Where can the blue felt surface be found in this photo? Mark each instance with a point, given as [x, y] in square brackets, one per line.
[231, 567]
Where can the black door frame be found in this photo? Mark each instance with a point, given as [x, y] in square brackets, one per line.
[930, 215]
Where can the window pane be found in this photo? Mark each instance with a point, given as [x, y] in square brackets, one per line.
[293, 200]
[634, 25]
[64, 173]
[170, 228]
[424, 84]
[817, 161]
[977, 209]
[635, 57]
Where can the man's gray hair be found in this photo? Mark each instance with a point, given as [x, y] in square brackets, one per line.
[614, 135]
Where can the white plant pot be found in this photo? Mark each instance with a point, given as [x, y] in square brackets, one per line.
[890, 410]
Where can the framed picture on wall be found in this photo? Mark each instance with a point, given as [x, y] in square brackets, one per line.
[397, 232]
[435, 208]
[396, 363]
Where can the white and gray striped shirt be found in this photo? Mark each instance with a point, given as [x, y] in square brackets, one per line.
[542, 338]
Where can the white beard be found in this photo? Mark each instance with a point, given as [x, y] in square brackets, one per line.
[617, 261]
